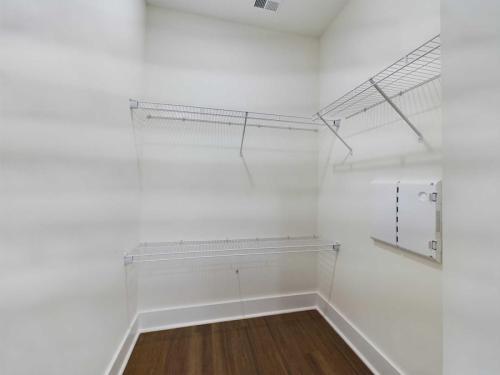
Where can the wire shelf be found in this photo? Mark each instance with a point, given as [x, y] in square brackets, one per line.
[165, 114]
[421, 66]
[186, 250]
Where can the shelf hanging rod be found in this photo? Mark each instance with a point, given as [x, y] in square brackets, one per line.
[398, 111]
[147, 106]
[335, 133]
[131, 258]
[330, 246]
[145, 245]
[233, 123]
[249, 116]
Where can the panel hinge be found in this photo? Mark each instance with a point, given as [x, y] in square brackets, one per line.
[433, 245]
[128, 259]
[336, 246]
[434, 197]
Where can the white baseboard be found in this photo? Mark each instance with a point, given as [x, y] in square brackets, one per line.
[156, 320]
[372, 356]
[122, 355]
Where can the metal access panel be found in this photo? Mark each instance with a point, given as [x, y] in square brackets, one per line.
[384, 195]
[419, 218]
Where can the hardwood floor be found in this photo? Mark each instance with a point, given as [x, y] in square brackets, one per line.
[295, 343]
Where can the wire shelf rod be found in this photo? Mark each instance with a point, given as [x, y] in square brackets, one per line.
[375, 97]
[401, 93]
[171, 251]
[282, 118]
[330, 246]
[408, 64]
[419, 67]
[229, 255]
[144, 105]
[229, 240]
[231, 123]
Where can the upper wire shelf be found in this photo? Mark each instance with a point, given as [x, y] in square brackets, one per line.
[186, 250]
[147, 114]
[156, 112]
[417, 68]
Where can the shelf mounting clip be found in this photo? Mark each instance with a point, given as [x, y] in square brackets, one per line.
[133, 104]
[128, 259]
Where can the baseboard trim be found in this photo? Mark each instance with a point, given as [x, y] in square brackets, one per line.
[372, 356]
[155, 320]
[122, 355]
[176, 317]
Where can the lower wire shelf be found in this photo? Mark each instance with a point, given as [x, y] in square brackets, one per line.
[184, 250]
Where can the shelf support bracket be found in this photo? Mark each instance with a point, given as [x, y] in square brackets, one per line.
[335, 133]
[243, 135]
[398, 111]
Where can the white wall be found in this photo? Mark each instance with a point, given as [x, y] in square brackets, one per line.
[206, 61]
[69, 183]
[69, 187]
[471, 84]
[394, 298]
[196, 185]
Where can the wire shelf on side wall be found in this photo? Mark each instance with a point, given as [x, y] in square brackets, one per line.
[185, 250]
[419, 67]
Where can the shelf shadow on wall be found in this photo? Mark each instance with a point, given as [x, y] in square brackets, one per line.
[407, 254]
[247, 171]
[419, 158]
[380, 135]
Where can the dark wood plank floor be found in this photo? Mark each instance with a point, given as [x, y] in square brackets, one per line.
[295, 343]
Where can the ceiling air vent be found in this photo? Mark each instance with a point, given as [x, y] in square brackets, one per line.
[267, 4]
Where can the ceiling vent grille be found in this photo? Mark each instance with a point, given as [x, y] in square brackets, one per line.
[271, 5]
[260, 3]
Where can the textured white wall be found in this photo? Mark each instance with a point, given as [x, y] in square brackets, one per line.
[69, 187]
[196, 185]
[471, 133]
[393, 297]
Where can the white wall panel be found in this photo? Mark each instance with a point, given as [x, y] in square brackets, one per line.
[419, 218]
[407, 215]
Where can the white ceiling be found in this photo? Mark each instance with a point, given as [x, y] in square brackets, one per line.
[306, 17]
